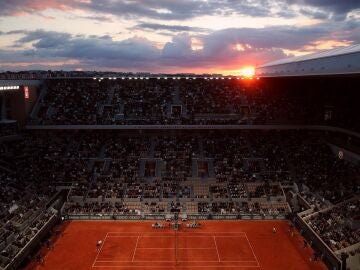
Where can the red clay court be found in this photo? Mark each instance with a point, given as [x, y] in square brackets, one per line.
[217, 245]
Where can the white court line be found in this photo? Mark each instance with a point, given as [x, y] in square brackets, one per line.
[159, 235]
[252, 250]
[137, 241]
[185, 266]
[171, 248]
[196, 248]
[179, 261]
[97, 255]
[154, 248]
[172, 236]
[134, 261]
[187, 232]
[217, 251]
[197, 266]
[122, 236]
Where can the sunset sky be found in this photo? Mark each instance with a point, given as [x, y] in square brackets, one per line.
[200, 36]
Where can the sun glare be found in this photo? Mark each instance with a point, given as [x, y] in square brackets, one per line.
[247, 71]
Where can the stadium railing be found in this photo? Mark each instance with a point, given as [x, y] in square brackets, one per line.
[35, 241]
[327, 255]
[53, 207]
[163, 216]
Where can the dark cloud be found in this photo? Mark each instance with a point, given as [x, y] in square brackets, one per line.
[166, 27]
[101, 37]
[179, 48]
[93, 48]
[316, 14]
[16, 32]
[180, 10]
[131, 54]
[219, 48]
[325, 9]
[339, 7]
[186, 9]
[270, 37]
[97, 18]
[157, 9]
[44, 39]
[13, 32]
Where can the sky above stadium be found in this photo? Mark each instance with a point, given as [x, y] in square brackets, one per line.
[192, 36]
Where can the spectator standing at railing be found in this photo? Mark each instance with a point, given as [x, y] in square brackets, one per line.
[49, 245]
[39, 259]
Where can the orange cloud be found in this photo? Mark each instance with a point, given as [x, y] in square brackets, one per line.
[318, 46]
[31, 6]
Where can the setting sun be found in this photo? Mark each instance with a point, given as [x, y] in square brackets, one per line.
[247, 71]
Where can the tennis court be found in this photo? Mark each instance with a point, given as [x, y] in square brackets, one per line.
[216, 245]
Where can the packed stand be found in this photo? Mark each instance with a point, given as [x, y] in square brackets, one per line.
[202, 101]
[337, 226]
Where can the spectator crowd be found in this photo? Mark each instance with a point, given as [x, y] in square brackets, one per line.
[242, 173]
[194, 101]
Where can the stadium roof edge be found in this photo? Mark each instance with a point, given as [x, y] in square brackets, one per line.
[20, 82]
[339, 61]
[323, 54]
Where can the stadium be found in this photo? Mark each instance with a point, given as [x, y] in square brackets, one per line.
[176, 172]
[187, 135]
